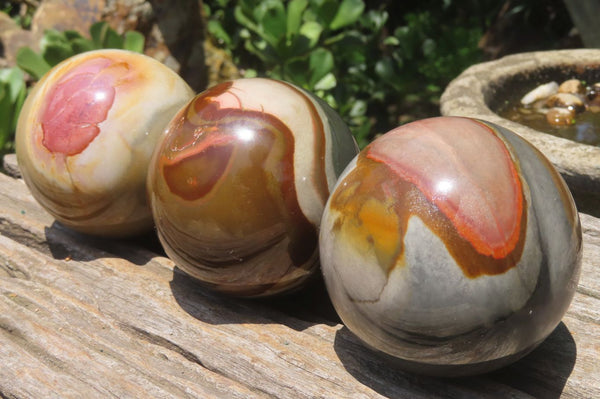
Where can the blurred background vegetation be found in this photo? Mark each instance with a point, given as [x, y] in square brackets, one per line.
[378, 63]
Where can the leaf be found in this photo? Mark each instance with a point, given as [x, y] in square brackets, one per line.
[349, 45]
[134, 41]
[32, 63]
[375, 20]
[320, 64]
[82, 45]
[311, 30]
[71, 35]
[18, 105]
[296, 71]
[384, 68]
[326, 12]
[98, 33]
[391, 41]
[272, 21]
[330, 99]
[57, 52]
[103, 36]
[52, 37]
[348, 12]
[216, 30]
[300, 44]
[258, 49]
[294, 16]
[387, 72]
[113, 39]
[3, 94]
[5, 114]
[359, 108]
[429, 47]
[242, 17]
[328, 82]
[15, 81]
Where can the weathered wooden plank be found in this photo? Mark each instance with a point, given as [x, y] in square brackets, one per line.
[83, 317]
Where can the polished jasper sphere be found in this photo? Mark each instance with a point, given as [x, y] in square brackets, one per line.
[239, 183]
[451, 245]
[86, 134]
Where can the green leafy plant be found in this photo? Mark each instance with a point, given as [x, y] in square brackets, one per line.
[56, 46]
[12, 95]
[307, 42]
[294, 41]
[376, 71]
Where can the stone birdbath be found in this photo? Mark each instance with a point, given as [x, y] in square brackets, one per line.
[481, 91]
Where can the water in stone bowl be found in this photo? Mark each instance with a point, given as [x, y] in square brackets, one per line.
[570, 110]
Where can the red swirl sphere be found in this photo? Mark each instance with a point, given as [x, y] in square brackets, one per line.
[239, 182]
[452, 245]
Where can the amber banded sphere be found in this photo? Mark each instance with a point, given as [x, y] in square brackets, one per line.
[451, 245]
[86, 134]
[238, 184]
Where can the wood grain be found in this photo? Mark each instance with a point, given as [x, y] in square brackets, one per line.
[83, 317]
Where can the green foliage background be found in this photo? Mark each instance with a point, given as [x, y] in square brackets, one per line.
[371, 63]
[378, 63]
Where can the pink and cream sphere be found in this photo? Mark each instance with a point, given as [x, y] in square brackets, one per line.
[86, 134]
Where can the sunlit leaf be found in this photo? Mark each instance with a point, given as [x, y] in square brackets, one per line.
[32, 62]
[273, 20]
[5, 115]
[113, 39]
[295, 9]
[134, 41]
[312, 31]
[348, 12]
[18, 104]
[52, 37]
[391, 41]
[320, 64]
[327, 82]
[216, 30]
[15, 82]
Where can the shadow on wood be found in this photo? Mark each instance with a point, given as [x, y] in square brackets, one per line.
[298, 310]
[543, 373]
[63, 244]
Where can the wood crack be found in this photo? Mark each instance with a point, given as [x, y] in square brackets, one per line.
[158, 340]
[165, 343]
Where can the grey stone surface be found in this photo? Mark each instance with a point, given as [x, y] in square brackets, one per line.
[474, 93]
